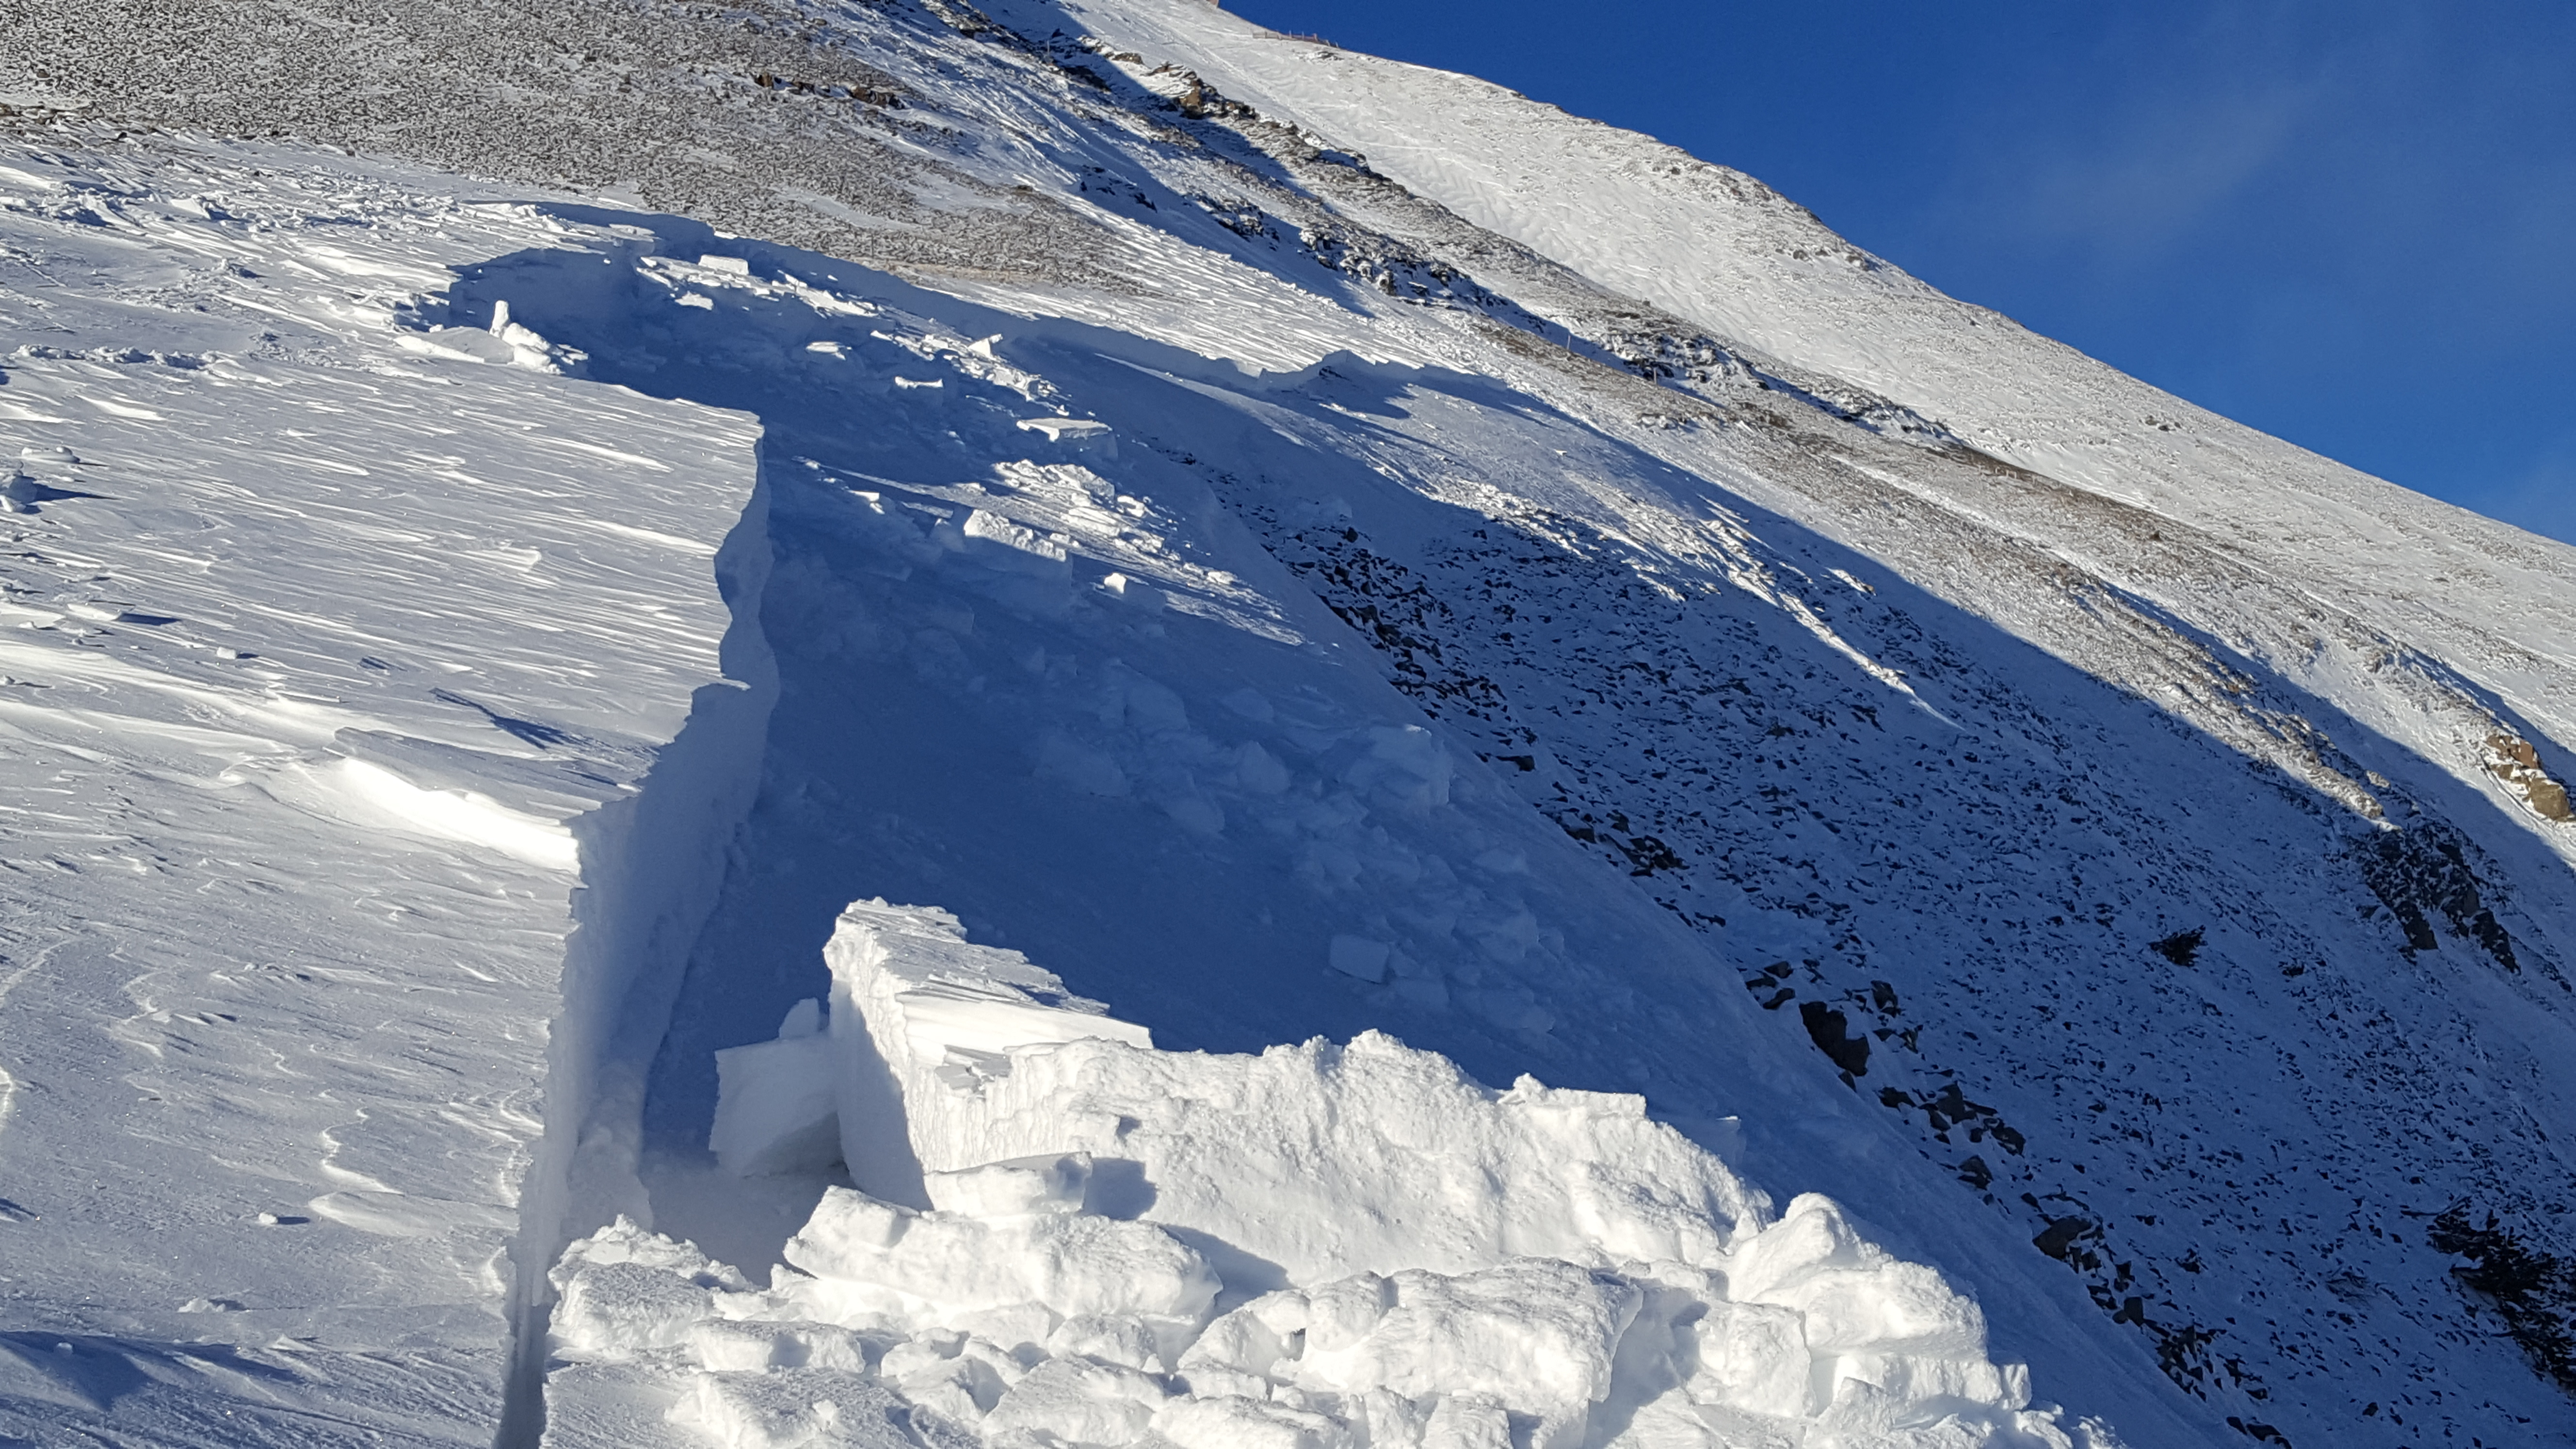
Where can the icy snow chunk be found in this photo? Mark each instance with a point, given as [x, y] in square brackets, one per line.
[1010, 546]
[1752, 1356]
[1235, 1422]
[1057, 430]
[776, 1111]
[734, 266]
[1326, 1160]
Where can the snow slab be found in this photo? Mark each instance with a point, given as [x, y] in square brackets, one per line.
[1098, 1243]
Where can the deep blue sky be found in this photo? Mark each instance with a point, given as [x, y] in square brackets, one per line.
[2351, 223]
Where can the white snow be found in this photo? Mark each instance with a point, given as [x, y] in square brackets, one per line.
[334, 678]
[1314, 1246]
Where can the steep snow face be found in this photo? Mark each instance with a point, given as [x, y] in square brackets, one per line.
[1105, 1244]
[344, 658]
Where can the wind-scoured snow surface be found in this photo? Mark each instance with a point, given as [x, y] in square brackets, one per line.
[1297, 546]
[339, 650]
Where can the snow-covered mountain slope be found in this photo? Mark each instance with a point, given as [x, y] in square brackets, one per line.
[1725, 252]
[1300, 545]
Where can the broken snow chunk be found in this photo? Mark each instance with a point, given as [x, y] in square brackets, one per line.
[1259, 772]
[623, 1291]
[938, 1373]
[1358, 956]
[1811, 1236]
[776, 1111]
[1072, 1263]
[1074, 1401]
[1058, 430]
[1339, 1314]
[526, 348]
[1010, 546]
[1009, 1189]
[789, 1409]
[1469, 1421]
[1430, 1260]
[1889, 1307]
[804, 1019]
[1083, 434]
[1235, 1421]
[735, 266]
[736, 1346]
[1132, 591]
[1749, 1355]
[1915, 1378]
[1854, 1297]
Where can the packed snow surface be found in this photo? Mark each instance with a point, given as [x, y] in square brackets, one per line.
[1080, 1240]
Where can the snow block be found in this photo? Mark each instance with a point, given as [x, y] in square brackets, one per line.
[1317, 1247]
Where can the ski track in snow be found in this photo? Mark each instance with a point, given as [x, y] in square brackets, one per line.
[2120, 857]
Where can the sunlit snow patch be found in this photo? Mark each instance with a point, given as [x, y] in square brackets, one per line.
[1063, 1236]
